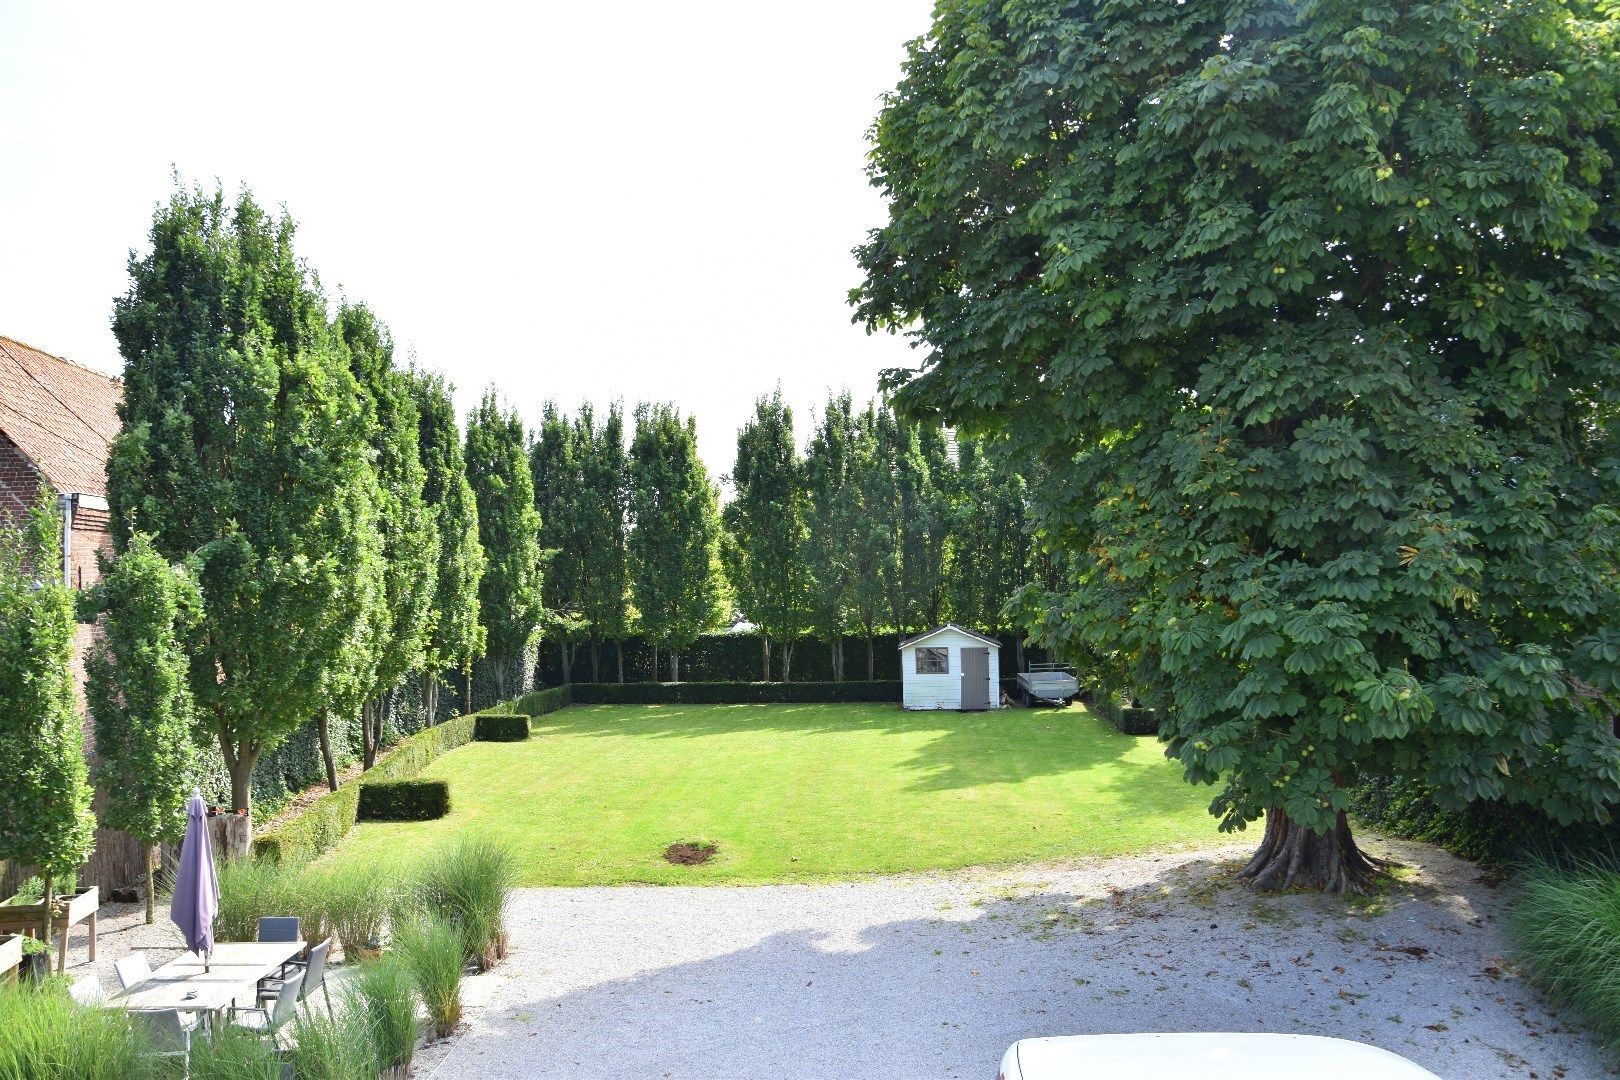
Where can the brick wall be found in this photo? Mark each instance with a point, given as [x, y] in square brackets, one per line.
[19, 481]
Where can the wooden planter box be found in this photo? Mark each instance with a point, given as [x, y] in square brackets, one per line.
[81, 907]
[10, 955]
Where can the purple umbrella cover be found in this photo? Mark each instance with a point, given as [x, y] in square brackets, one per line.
[196, 886]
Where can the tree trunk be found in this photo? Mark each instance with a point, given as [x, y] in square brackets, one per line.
[674, 666]
[430, 697]
[596, 658]
[239, 760]
[324, 735]
[151, 882]
[1018, 653]
[47, 930]
[565, 655]
[497, 669]
[838, 658]
[871, 658]
[618, 652]
[764, 658]
[466, 691]
[787, 660]
[655, 660]
[1291, 856]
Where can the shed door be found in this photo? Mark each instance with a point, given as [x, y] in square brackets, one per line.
[975, 679]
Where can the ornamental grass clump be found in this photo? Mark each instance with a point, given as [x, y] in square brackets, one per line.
[357, 901]
[46, 1035]
[1565, 922]
[327, 1047]
[234, 1053]
[434, 952]
[467, 884]
[384, 992]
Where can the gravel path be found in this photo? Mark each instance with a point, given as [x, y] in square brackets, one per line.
[932, 976]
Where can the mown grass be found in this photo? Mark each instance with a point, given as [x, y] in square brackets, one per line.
[1565, 923]
[801, 792]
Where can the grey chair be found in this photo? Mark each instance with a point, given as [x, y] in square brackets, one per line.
[314, 973]
[132, 969]
[280, 928]
[169, 1032]
[270, 1019]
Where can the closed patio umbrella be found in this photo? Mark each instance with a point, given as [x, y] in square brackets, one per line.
[196, 886]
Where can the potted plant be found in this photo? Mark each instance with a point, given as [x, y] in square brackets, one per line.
[35, 965]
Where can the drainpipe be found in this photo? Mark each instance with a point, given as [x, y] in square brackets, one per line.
[66, 501]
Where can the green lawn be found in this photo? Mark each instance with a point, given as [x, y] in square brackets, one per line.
[803, 792]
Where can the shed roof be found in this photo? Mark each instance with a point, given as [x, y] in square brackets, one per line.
[61, 415]
[926, 634]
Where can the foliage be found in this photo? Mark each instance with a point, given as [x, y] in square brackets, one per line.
[239, 450]
[766, 536]
[138, 688]
[45, 818]
[674, 548]
[1124, 712]
[732, 693]
[232, 1052]
[560, 496]
[385, 994]
[496, 728]
[988, 538]
[604, 596]
[1565, 925]
[872, 552]
[333, 1047]
[467, 883]
[254, 888]
[509, 594]
[833, 519]
[434, 952]
[458, 632]
[403, 610]
[800, 792]
[32, 890]
[45, 1035]
[407, 800]
[1308, 313]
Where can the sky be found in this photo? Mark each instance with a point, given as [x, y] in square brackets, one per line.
[640, 200]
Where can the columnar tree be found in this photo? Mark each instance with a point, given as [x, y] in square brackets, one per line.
[989, 538]
[509, 594]
[410, 542]
[138, 687]
[604, 518]
[45, 818]
[1309, 314]
[765, 531]
[240, 450]
[832, 520]
[873, 552]
[557, 466]
[457, 635]
[674, 549]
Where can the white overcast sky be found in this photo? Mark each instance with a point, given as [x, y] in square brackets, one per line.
[642, 200]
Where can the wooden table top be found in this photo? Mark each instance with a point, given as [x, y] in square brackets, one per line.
[233, 971]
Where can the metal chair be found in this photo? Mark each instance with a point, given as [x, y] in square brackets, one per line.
[314, 973]
[88, 991]
[280, 928]
[132, 969]
[269, 1020]
[170, 1033]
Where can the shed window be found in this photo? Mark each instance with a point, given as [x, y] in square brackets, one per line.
[933, 661]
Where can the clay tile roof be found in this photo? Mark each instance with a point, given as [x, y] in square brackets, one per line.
[61, 415]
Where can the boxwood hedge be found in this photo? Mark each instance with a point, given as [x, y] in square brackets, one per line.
[404, 800]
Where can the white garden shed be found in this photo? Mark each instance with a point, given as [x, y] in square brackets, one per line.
[950, 667]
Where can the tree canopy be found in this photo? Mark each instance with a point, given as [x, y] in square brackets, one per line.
[240, 450]
[1310, 316]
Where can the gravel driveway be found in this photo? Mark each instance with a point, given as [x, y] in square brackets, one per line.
[932, 976]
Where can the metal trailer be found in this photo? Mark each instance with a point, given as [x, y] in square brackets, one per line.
[1052, 684]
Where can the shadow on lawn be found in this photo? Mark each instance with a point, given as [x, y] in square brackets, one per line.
[942, 994]
[964, 750]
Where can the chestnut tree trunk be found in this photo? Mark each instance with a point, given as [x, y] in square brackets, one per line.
[1291, 856]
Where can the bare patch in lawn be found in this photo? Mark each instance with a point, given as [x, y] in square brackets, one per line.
[690, 852]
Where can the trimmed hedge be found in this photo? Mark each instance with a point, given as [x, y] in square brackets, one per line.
[494, 727]
[321, 824]
[733, 693]
[541, 702]
[1123, 713]
[404, 800]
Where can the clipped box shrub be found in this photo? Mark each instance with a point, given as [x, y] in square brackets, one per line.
[404, 800]
[494, 727]
[541, 702]
[734, 693]
[1124, 713]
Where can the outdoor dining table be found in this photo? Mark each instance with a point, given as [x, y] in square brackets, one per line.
[233, 972]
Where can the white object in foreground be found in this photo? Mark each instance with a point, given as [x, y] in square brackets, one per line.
[1214, 1056]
